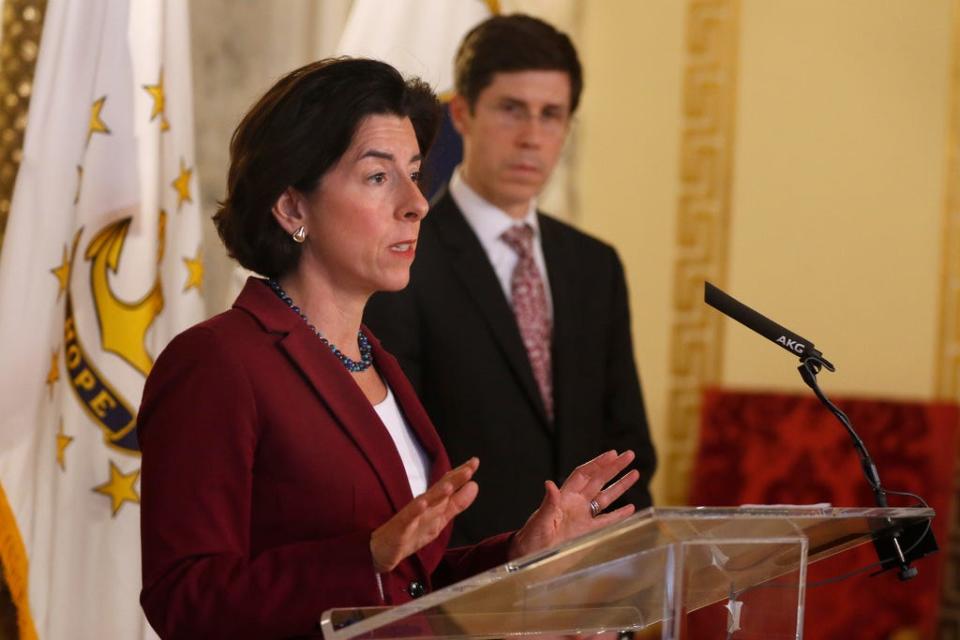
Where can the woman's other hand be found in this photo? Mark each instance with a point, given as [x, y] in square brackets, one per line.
[568, 512]
[424, 517]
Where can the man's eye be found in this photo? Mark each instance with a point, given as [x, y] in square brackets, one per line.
[415, 177]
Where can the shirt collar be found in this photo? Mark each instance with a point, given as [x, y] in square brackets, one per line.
[487, 220]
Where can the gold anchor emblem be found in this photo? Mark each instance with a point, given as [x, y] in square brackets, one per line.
[123, 325]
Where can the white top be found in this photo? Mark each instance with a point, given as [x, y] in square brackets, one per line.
[415, 461]
[489, 222]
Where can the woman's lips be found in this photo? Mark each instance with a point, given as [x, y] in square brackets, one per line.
[405, 247]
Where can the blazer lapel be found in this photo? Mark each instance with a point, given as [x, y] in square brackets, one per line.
[473, 268]
[560, 270]
[334, 387]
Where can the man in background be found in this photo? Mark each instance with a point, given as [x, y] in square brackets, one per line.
[515, 327]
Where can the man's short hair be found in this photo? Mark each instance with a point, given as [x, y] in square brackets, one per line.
[514, 43]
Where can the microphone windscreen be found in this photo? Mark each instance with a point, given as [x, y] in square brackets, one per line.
[730, 306]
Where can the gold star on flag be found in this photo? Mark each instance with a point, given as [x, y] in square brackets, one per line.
[182, 185]
[120, 487]
[63, 441]
[194, 272]
[159, 102]
[54, 374]
[97, 125]
[63, 273]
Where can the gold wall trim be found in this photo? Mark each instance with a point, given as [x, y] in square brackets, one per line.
[19, 46]
[703, 223]
[947, 382]
[947, 375]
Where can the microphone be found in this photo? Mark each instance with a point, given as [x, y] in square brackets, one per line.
[730, 306]
[921, 541]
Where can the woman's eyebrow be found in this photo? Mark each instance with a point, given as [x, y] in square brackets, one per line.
[386, 155]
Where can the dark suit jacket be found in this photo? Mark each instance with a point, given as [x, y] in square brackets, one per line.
[265, 470]
[455, 335]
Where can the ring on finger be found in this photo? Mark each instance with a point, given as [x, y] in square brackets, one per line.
[595, 508]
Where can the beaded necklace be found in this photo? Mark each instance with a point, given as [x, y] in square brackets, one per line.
[353, 366]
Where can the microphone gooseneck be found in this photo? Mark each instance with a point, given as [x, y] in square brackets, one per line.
[811, 362]
[809, 367]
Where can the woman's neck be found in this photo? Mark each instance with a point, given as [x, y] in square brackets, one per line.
[336, 314]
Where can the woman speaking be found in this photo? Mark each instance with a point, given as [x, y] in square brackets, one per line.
[288, 466]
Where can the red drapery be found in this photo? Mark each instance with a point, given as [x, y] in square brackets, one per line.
[777, 448]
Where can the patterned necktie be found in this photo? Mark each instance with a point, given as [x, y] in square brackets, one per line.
[529, 297]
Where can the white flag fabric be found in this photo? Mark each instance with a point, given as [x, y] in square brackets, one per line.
[100, 267]
[418, 37]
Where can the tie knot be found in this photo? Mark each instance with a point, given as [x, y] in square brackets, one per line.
[519, 238]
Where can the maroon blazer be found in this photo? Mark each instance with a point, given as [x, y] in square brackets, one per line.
[265, 470]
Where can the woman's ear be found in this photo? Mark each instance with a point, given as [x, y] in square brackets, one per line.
[288, 210]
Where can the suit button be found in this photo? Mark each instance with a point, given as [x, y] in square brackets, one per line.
[415, 589]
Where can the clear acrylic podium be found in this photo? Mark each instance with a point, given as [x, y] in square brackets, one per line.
[655, 567]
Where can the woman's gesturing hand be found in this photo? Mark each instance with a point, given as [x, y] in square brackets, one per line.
[424, 517]
[577, 506]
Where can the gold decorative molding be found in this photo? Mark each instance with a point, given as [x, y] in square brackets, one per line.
[19, 46]
[947, 377]
[703, 222]
[947, 383]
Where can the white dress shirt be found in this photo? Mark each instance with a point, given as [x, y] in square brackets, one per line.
[489, 222]
[414, 459]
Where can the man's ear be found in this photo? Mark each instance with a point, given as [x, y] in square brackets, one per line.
[288, 210]
[460, 114]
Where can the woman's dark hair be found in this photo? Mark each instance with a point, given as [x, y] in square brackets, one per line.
[514, 43]
[294, 134]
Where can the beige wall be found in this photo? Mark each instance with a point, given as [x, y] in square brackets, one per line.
[628, 164]
[838, 189]
[839, 145]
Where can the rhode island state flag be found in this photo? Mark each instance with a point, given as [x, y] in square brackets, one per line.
[100, 267]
